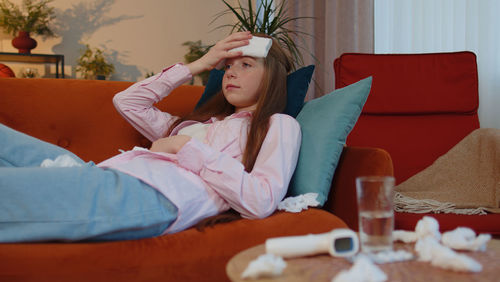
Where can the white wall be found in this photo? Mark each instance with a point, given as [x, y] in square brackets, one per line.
[141, 36]
[416, 26]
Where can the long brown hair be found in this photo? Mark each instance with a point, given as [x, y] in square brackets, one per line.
[272, 99]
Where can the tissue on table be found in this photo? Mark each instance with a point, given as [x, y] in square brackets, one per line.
[267, 265]
[464, 238]
[438, 255]
[405, 236]
[299, 203]
[427, 226]
[61, 161]
[390, 256]
[363, 270]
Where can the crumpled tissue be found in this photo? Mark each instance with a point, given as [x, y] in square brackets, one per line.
[136, 148]
[257, 47]
[390, 256]
[405, 236]
[363, 270]
[438, 255]
[267, 265]
[61, 161]
[464, 238]
[427, 226]
[429, 249]
[299, 203]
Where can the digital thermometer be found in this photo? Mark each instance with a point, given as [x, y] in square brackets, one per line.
[338, 243]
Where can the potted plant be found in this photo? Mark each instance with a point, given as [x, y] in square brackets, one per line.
[93, 65]
[267, 18]
[32, 17]
[196, 51]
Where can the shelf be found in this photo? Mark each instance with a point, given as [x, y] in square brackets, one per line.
[35, 58]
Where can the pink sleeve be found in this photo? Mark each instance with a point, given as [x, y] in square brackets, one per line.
[255, 194]
[135, 103]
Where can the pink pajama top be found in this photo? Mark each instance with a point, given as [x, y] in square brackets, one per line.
[206, 178]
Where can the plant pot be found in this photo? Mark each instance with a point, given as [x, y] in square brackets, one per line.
[24, 43]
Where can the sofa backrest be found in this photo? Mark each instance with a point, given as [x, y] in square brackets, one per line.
[79, 114]
[419, 107]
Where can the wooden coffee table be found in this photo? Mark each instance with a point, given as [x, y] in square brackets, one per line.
[325, 267]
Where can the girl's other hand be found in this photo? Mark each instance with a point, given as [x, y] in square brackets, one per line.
[220, 51]
[171, 144]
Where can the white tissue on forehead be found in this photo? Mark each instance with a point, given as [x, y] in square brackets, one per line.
[267, 265]
[257, 47]
[299, 203]
[363, 270]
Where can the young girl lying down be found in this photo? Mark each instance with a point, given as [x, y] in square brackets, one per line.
[235, 152]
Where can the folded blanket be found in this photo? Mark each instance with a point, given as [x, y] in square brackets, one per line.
[465, 180]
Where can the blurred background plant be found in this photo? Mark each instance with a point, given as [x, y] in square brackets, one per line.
[33, 16]
[92, 64]
[268, 17]
[149, 74]
[196, 51]
[29, 73]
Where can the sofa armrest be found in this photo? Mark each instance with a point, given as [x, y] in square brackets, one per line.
[354, 162]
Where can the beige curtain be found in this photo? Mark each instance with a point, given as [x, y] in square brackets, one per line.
[339, 26]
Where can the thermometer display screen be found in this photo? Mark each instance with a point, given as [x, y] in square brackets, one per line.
[344, 244]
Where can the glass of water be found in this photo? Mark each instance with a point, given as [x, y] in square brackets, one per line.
[376, 214]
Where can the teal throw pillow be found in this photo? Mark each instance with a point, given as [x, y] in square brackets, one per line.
[325, 123]
[297, 84]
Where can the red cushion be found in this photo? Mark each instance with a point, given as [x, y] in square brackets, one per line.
[419, 107]
[413, 83]
[480, 223]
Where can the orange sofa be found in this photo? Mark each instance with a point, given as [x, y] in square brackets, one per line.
[79, 115]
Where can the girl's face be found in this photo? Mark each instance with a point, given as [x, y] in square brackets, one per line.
[241, 82]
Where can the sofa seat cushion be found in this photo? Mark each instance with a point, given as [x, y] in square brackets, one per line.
[447, 222]
[190, 255]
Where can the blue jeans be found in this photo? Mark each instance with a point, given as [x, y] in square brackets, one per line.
[72, 203]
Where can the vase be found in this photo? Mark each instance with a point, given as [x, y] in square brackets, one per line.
[24, 43]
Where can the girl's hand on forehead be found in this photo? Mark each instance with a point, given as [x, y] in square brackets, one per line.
[220, 52]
